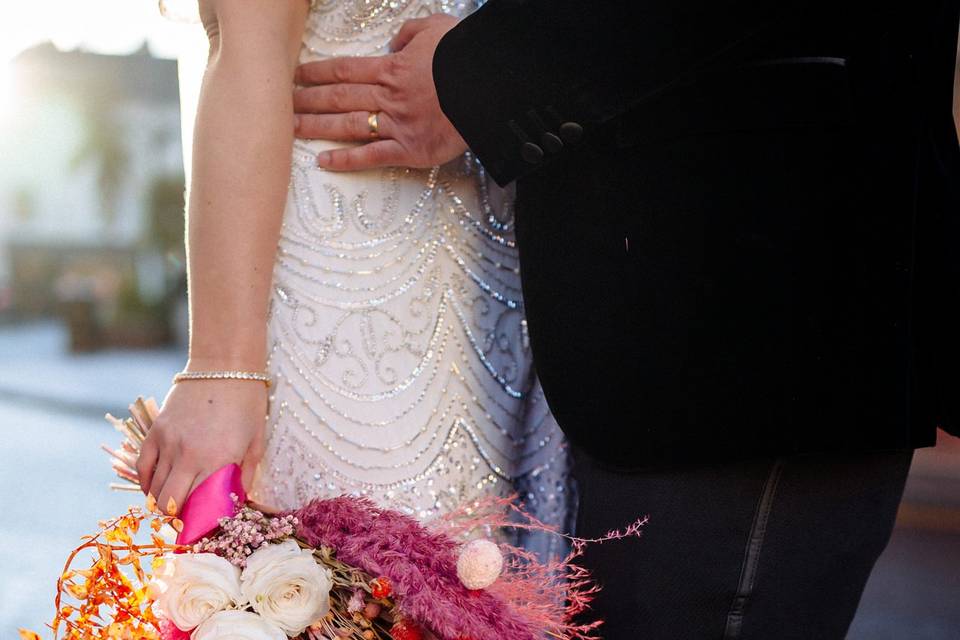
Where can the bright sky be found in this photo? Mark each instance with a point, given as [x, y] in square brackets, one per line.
[108, 26]
[104, 26]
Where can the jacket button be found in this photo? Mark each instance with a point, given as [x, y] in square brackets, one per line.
[551, 142]
[571, 132]
[531, 153]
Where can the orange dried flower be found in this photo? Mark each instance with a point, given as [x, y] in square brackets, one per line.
[104, 585]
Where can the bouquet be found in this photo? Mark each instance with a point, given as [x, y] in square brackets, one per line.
[222, 568]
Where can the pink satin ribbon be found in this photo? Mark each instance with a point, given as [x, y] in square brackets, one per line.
[209, 502]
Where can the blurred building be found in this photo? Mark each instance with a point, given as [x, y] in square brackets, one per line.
[91, 182]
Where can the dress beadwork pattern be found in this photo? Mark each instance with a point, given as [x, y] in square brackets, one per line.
[397, 339]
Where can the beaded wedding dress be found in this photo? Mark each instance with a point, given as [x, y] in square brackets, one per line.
[397, 337]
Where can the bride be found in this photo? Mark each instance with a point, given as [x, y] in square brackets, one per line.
[375, 318]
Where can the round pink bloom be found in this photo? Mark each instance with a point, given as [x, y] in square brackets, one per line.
[169, 631]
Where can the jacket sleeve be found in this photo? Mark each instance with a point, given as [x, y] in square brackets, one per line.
[523, 81]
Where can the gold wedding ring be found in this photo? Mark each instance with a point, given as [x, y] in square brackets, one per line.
[373, 122]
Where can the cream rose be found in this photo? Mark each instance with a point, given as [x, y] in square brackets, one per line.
[194, 586]
[285, 585]
[237, 625]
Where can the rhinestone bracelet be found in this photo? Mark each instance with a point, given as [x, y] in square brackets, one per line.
[222, 375]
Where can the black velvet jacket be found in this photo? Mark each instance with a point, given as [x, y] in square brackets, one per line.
[739, 221]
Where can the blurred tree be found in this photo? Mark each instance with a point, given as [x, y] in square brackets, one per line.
[24, 203]
[105, 147]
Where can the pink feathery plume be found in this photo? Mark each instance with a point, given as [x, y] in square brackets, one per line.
[552, 593]
[529, 598]
[421, 565]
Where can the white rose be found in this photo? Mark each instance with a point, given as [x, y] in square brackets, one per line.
[194, 586]
[285, 585]
[237, 625]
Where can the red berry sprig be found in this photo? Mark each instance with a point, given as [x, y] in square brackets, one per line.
[406, 630]
[381, 587]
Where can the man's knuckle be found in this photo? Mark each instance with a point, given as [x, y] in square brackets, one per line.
[309, 127]
[358, 122]
[306, 73]
[393, 93]
[393, 65]
[340, 69]
[340, 95]
[302, 98]
[379, 154]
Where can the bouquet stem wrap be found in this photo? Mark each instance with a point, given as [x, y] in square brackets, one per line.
[211, 500]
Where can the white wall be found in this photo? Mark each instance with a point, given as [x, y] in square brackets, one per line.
[37, 151]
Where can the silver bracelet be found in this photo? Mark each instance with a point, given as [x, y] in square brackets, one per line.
[222, 375]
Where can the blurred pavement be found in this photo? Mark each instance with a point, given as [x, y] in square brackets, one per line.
[37, 368]
[53, 475]
[54, 481]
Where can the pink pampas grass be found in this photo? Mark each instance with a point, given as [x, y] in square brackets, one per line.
[553, 594]
[422, 566]
[530, 598]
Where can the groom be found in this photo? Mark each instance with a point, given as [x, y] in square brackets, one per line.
[739, 226]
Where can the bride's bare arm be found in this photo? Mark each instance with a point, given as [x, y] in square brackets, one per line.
[238, 189]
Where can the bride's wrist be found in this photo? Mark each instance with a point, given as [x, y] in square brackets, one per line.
[238, 351]
[254, 363]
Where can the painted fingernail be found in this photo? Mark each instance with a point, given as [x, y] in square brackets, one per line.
[323, 158]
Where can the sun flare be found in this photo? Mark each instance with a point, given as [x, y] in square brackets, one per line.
[8, 91]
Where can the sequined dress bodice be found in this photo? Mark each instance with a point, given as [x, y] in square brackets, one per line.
[397, 336]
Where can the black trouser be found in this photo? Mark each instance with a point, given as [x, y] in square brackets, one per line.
[767, 549]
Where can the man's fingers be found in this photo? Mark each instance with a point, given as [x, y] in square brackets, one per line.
[336, 98]
[339, 70]
[344, 127]
[409, 29]
[146, 463]
[382, 153]
[177, 486]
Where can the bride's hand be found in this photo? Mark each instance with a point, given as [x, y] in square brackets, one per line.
[203, 425]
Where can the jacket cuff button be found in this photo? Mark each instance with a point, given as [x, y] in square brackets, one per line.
[571, 132]
[531, 153]
[551, 142]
